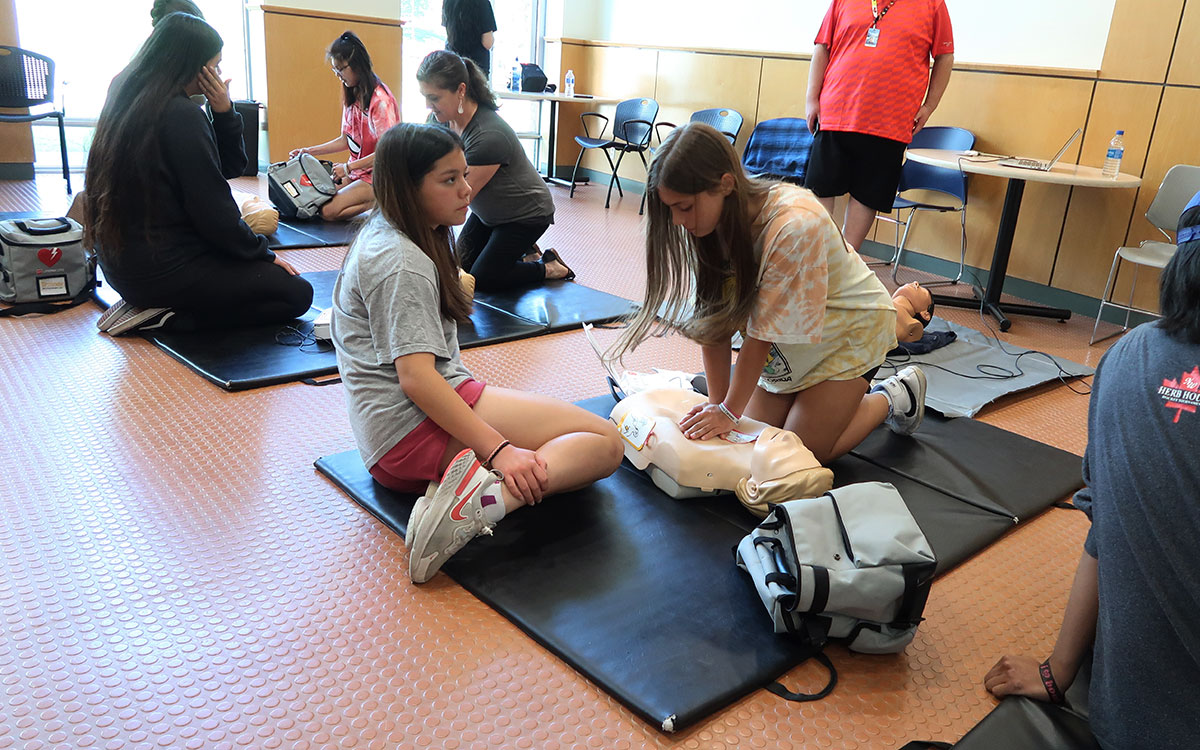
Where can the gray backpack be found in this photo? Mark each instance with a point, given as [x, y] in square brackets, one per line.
[43, 261]
[299, 187]
[852, 565]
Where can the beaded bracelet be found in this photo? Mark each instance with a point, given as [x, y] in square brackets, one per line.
[487, 463]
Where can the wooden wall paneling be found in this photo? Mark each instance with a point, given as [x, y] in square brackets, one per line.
[16, 139]
[690, 81]
[1140, 40]
[1175, 141]
[1185, 64]
[1098, 219]
[1009, 114]
[783, 88]
[620, 72]
[304, 99]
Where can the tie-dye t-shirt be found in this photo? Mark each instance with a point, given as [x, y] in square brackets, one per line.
[827, 314]
[364, 129]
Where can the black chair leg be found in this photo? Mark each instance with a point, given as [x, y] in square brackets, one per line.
[575, 172]
[62, 142]
[646, 187]
[614, 179]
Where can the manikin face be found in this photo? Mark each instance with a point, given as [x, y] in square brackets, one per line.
[344, 72]
[193, 88]
[444, 194]
[443, 103]
[920, 298]
[700, 213]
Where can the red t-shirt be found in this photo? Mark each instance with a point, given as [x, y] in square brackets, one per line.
[878, 90]
[364, 129]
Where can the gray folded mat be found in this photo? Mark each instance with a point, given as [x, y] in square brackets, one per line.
[957, 388]
[639, 592]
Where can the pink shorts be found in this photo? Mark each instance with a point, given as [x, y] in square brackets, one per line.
[413, 462]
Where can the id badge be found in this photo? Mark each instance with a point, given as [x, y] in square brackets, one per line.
[872, 37]
[635, 429]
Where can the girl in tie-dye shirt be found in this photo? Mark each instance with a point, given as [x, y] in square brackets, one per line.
[729, 254]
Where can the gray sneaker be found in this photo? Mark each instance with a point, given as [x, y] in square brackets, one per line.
[905, 392]
[131, 318]
[443, 522]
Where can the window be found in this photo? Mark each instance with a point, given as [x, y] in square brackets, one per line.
[98, 41]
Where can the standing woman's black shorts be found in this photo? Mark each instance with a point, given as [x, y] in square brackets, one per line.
[865, 166]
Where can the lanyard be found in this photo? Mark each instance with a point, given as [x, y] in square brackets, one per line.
[875, 11]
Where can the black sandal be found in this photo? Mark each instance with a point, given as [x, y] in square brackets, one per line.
[551, 255]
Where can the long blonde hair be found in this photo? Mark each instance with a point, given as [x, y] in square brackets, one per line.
[720, 267]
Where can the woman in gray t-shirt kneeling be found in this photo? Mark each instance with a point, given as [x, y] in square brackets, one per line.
[416, 412]
[511, 207]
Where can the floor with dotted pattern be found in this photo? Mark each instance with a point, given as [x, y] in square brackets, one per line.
[177, 575]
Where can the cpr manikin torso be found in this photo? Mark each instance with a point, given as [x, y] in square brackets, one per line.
[759, 462]
[914, 310]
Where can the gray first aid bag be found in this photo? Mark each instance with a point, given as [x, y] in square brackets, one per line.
[299, 187]
[43, 261]
[851, 565]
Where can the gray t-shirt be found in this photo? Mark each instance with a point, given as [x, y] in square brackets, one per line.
[385, 306]
[516, 193]
[1143, 476]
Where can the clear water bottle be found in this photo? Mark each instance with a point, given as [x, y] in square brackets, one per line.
[514, 81]
[569, 89]
[1116, 150]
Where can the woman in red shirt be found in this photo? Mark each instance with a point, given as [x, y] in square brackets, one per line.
[369, 109]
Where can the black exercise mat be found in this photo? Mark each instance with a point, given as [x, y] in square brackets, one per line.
[1023, 723]
[288, 238]
[635, 590]
[558, 305]
[253, 357]
[491, 326]
[985, 465]
[323, 233]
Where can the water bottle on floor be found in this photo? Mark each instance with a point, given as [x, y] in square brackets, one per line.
[514, 81]
[569, 89]
[1116, 150]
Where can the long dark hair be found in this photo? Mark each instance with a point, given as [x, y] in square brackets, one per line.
[405, 155]
[350, 50]
[692, 160]
[1179, 285]
[163, 8]
[124, 156]
[446, 70]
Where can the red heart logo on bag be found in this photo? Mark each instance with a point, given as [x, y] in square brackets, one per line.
[49, 256]
[305, 181]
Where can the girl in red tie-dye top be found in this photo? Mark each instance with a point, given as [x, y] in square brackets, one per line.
[728, 254]
[369, 109]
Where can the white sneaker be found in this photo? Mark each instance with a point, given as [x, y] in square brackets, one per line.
[112, 315]
[131, 318]
[442, 523]
[905, 392]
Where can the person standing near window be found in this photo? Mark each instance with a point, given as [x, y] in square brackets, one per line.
[470, 25]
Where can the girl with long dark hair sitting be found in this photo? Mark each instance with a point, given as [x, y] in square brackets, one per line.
[416, 412]
[159, 212]
[368, 110]
[511, 206]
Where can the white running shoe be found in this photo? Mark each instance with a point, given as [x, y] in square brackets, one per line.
[443, 522]
[905, 392]
[131, 318]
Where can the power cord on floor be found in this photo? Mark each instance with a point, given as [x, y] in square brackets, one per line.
[305, 341]
[990, 371]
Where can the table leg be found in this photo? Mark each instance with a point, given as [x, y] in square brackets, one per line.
[989, 298]
[552, 151]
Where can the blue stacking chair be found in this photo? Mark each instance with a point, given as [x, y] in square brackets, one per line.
[948, 182]
[27, 80]
[779, 148]
[728, 121]
[633, 124]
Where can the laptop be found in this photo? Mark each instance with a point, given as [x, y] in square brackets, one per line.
[1038, 164]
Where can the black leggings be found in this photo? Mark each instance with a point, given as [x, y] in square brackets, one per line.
[493, 254]
[217, 292]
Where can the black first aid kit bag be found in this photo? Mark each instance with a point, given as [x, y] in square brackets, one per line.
[299, 187]
[532, 78]
[43, 261]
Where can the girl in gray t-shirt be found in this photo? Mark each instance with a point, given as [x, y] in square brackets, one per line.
[416, 412]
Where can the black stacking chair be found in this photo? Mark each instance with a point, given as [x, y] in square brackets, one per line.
[633, 125]
[27, 80]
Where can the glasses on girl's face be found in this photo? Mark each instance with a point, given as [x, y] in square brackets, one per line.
[339, 69]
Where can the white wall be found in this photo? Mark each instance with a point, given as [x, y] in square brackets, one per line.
[1042, 33]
